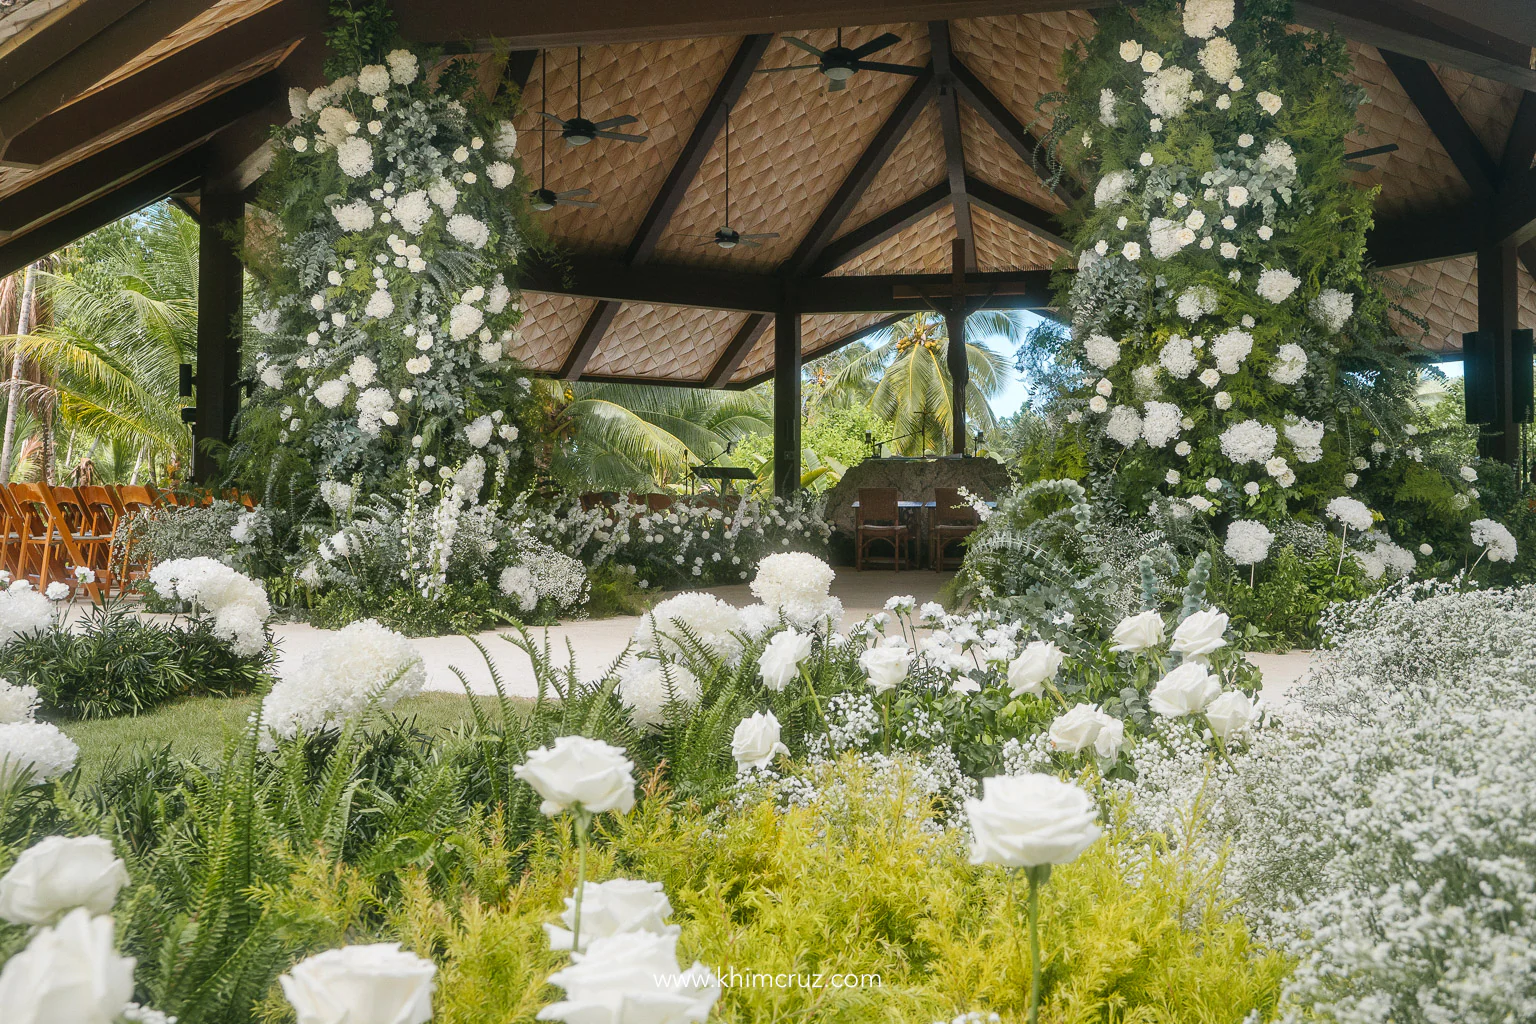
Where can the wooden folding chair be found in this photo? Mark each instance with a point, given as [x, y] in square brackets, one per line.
[11, 525]
[63, 550]
[30, 524]
[102, 513]
[134, 501]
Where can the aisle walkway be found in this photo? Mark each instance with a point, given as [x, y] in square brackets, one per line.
[598, 644]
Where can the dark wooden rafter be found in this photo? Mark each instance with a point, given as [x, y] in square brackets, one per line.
[742, 342]
[1016, 211]
[55, 40]
[892, 222]
[280, 27]
[954, 145]
[100, 49]
[520, 64]
[176, 175]
[1012, 131]
[1439, 111]
[686, 168]
[1520, 146]
[124, 161]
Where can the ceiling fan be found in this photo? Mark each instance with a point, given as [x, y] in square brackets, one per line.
[544, 198]
[841, 63]
[578, 130]
[727, 237]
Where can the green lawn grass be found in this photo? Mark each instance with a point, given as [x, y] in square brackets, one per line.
[199, 726]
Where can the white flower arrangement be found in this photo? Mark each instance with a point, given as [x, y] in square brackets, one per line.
[1248, 541]
[1166, 92]
[1113, 188]
[1230, 349]
[237, 603]
[1161, 423]
[1276, 285]
[1249, 441]
[1197, 301]
[1290, 364]
[1497, 542]
[1124, 425]
[1102, 351]
[1219, 59]
[1204, 18]
[1351, 512]
[364, 665]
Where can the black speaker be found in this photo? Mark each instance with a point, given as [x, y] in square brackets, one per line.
[184, 381]
[1477, 365]
[1521, 356]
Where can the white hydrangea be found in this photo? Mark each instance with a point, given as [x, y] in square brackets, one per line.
[1197, 302]
[1166, 238]
[332, 393]
[478, 432]
[1144, 381]
[1380, 557]
[375, 409]
[1204, 18]
[412, 211]
[1332, 309]
[17, 703]
[1290, 364]
[647, 686]
[1277, 155]
[1352, 512]
[403, 66]
[1107, 108]
[1161, 423]
[1166, 92]
[363, 371]
[32, 753]
[1219, 59]
[237, 603]
[469, 230]
[355, 157]
[23, 610]
[1178, 356]
[1230, 349]
[1249, 441]
[1124, 425]
[362, 665]
[500, 173]
[1248, 541]
[517, 582]
[336, 495]
[380, 305]
[373, 79]
[464, 320]
[704, 617]
[1102, 351]
[1495, 539]
[1269, 102]
[505, 142]
[354, 216]
[443, 194]
[1306, 438]
[1113, 187]
[1277, 285]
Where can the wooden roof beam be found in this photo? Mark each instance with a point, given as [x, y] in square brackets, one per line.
[684, 170]
[1440, 112]
[186, 71]
[53, 42]
[1018, 211]
[595, 22]
[847, 247]
[1421, 31]
[954, 145]
[109, 168]
[101, 49]
[1012, 131]
[742, 342]
[1520, 145]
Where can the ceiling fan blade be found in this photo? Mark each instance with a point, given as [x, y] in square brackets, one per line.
[571, 193]
[621, 137]
[790, 67]
[893, 69]
[747, 240]
[708, 241]
[762, 234]
[558, 120]
[807, 47]
[614, 122]
[836, 84]
[877, 43]
[575, 202]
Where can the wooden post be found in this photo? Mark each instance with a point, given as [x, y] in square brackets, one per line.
[786, 402]
[1497, 318]
[959, 367]
[220, 287]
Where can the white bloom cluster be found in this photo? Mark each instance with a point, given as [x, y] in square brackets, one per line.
[1178, 356]
[1167, 238]
[1124, 425]
[17, 703]
[1306, 438]
[1383, 557]
[1162, 423]
[1230, 348]
[797, 585]
[237, 603]
[1166, 92]
[23, 610]
[1332, 309]
[1352, 512]
[469, 230]
[34, 752]
[1249, 441]
[1219, 59]
[1290, 364]
[1102, 351]
[354, 216]
[647, 687]
[1248, 541]
[1495, 539]
[1113, 187]
[1276, 285]
[363, 665]
[517, 582]
[1204, 18]
[1197, 302]
[676, 624]
[355, 157]
[1107, 115]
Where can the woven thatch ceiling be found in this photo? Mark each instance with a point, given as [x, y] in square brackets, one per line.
[106, 105]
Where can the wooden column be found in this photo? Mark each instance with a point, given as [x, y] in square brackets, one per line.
[220, 287]
[959, 368]
[786, 402]
[1498, 307]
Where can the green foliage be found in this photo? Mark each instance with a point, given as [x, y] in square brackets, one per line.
[119, 664]
[458, 608]
[1289, 593]
[361, 31]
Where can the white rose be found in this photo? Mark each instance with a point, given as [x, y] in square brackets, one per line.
[1138, 632]
[59, 874]
[886, 667]
[1024, 821]
[780, 660]
[1076, 730]
[632, 978]
[756, 741]
[1200, 634]
[611, 908]
[68, 974]
[1110, 739]
[1231, 715]
[1184, 691]
[578, 770]
[1029, 671]
[373, 984]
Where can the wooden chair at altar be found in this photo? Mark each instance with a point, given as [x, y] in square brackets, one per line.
[953, 520]
[879, 522]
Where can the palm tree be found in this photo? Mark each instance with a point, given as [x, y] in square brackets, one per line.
[902, 374]
[124, 320]
[625, 436]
